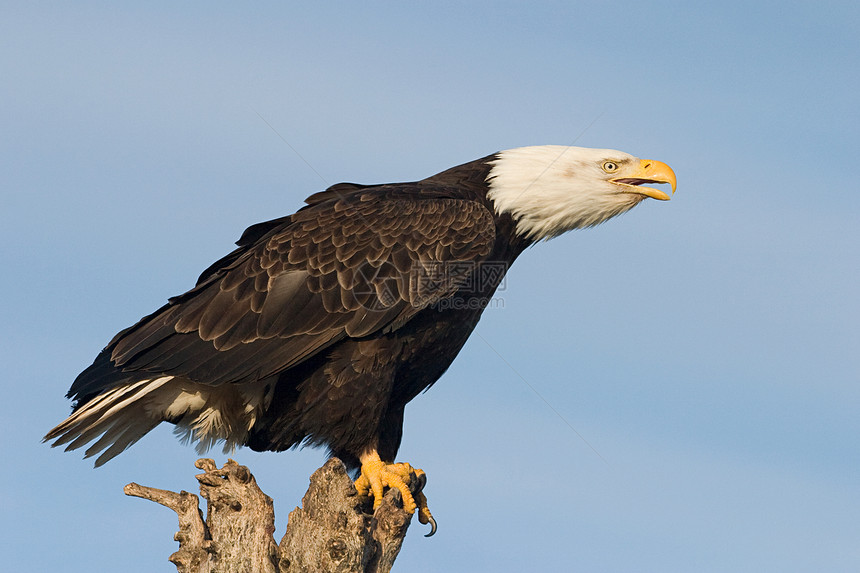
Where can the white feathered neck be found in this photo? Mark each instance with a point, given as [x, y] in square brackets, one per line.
[552, 189]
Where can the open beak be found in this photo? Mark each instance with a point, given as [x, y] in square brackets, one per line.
[648, 171]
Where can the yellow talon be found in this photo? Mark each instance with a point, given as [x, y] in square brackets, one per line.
[376, 475]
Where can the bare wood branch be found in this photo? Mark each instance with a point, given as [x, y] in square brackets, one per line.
[240, 518]
[193, 536]
[333, 531]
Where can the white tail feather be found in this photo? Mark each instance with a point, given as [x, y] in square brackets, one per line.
[205, 414]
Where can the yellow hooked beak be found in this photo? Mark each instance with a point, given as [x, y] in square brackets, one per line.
[648, 171]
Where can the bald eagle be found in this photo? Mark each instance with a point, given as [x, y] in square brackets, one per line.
[322, 325]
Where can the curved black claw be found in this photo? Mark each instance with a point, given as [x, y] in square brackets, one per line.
[432, 526]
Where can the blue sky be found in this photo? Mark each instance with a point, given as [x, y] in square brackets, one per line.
[676, 390]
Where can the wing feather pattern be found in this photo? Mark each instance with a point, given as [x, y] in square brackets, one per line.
[342, 266]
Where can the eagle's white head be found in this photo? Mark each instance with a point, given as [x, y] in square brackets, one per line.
[552, 189]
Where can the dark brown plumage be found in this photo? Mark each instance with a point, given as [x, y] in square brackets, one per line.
[332, 307]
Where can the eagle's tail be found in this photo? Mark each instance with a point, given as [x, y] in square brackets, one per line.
[119, 415]
[122, 414]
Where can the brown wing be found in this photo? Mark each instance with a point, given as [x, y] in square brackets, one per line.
[342, 267]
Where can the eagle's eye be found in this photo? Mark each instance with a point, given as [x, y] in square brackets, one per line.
[610, 166]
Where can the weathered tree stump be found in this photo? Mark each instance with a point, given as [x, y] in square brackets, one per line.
[331, 532]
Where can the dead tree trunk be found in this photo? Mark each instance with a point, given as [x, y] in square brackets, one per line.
[331, 532]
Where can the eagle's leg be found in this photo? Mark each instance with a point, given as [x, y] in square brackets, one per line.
[377, 475]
